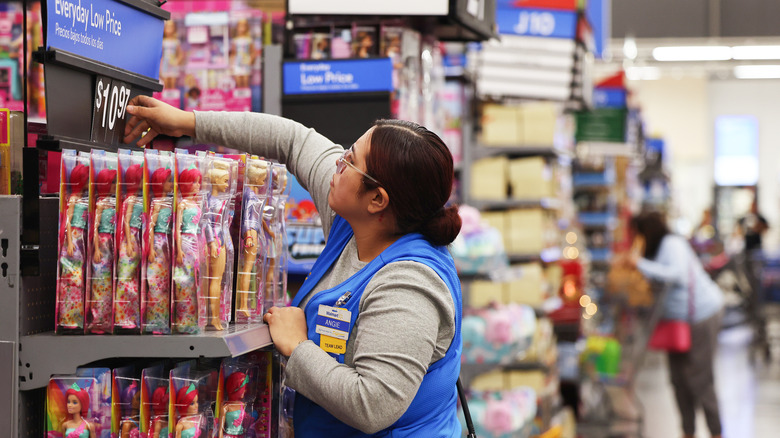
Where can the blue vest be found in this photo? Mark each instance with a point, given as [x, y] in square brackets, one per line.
[433, 411]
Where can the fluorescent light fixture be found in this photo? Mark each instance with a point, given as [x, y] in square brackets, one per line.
[757, 72]
[643, 73]
[756, 52]
[692, 53]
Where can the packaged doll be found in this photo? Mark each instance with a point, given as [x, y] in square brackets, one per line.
[233, 410]
[100, 287]
[156, 304]
[187, 300]
[77, 408]
[219, 248]
[188, 424]
[251, 257]
[127, 298]
[74, 206]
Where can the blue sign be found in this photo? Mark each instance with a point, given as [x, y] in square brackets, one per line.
[349, 76]
[598, 13]
[609, 97]
[107, 31]
[537, 22]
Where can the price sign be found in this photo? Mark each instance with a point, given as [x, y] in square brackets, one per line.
[109, 108]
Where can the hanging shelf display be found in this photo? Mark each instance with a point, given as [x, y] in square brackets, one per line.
[542, 54]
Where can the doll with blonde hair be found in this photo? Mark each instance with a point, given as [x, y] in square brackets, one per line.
[216, 238]
[255, 193]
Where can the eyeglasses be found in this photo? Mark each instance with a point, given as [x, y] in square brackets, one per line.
[342, 164]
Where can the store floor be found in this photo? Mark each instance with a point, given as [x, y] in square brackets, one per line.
[749, 395]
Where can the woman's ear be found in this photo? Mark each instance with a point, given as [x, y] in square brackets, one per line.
[379, 201]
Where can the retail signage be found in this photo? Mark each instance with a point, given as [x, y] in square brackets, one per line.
[599, 17]
[109, 31]
[736, 150]
[548, 4]
[369, 7]
[109, 110]
[547, 23]
[602, 125]
[348, 76]
[609, 98]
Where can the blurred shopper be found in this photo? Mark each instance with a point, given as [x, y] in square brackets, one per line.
[753, 226]
[669, 258]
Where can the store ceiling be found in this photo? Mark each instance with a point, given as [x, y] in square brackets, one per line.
[723, 27]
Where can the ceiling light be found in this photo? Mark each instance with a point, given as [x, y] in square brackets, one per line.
[643, 73]
[757, 72]
[756, 52]
[692, 53]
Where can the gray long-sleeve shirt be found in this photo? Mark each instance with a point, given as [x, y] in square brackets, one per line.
[407, 315]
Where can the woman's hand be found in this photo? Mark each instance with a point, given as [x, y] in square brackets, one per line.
[287, 326]
[159, 118]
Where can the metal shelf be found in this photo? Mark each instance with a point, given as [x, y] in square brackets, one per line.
[43, 355]
[517, 151]
[503, 204]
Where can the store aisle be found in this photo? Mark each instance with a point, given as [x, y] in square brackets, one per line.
[749, 396]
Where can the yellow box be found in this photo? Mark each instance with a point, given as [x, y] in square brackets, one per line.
[497, 220]
[501, 125]
[525, 231]
[490, 381]
[539, 120]
[531, 178]
[489, 178]
[482, 293]
[530, 288]
[535, 380]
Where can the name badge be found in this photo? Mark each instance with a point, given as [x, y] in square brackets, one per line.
[333, 323]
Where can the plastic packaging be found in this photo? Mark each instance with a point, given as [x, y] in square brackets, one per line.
[155, 397]
[102, 255]
[250, 284]
[188, 304]
[75, 404]
[125, 403]
[157, 262]
[72, 242]
[130, 224]
[189, 405]
[221, 175]
[235, 397]
[275, 228]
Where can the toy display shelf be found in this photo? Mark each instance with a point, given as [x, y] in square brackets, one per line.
[37, 363]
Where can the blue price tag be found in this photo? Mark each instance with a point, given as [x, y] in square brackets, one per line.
[357, 75]
[108, 31]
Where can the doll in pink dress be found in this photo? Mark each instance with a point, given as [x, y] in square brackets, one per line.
[70, 296]
[100, 319]
[187, 254]
[158, 269]
[127, 304]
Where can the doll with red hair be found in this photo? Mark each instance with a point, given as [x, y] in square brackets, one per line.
[158, 269]
[101, 287]
[73, 223]
[187, 251]
[234, 409]
[159, 426]
[188, 424]
[128, 279]
[77, 407]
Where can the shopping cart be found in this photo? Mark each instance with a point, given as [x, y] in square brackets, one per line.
[609, 406]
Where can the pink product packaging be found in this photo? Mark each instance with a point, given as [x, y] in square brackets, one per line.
[101, 258]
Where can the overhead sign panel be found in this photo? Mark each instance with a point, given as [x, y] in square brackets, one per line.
[348, 76]
[118, 33]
